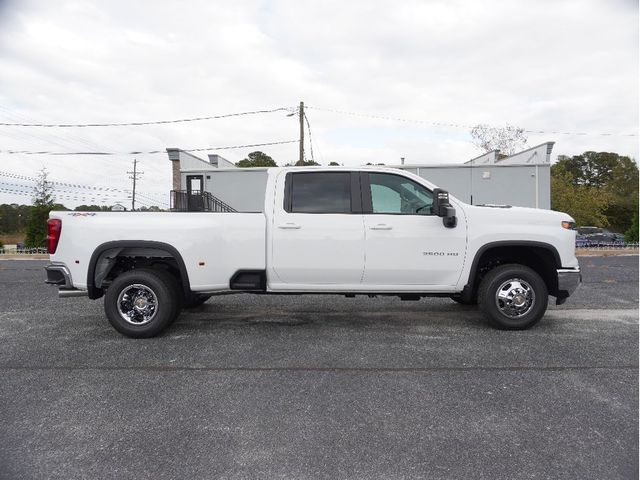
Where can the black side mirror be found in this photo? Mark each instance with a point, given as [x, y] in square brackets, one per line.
[442, 208]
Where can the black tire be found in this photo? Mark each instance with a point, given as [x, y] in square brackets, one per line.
[194, 300]
[520, 305]
[159, 297]
[461, 301]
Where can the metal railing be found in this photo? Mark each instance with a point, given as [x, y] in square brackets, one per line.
[197, 201]
[22, 251]
[606, 245]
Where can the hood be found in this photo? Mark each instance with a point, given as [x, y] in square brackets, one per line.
[511, 215]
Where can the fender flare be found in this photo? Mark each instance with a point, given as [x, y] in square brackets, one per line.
[469, 288]
[95, 292]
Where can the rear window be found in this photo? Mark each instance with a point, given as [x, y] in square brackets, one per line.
[322, 192]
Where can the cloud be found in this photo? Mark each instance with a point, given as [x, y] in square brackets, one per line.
[563, 65]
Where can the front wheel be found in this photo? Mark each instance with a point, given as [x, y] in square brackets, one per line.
[513, 297]
[142, 303]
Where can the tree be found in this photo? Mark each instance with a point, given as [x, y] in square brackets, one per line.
[42, 205]
[257, 159]
[508, 139]
[88, 208]
[13, 218]
[43, 190]
[631, 235]
[609, 173]
[306, 163]
[584, 203]
[334, 164]
[601, 169]
[93, 208]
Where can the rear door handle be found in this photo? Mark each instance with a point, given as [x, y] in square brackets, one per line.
[289, 226]
[381, 226]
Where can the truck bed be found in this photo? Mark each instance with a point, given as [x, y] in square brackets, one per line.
[213, 245]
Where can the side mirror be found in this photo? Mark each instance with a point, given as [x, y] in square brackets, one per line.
[442, 208]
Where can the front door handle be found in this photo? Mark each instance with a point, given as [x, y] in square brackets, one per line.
[289, 226]
[381, 226]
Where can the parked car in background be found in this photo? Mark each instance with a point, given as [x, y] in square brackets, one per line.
[589, 230]
[606, 237]
[582, 241]
[596, 236]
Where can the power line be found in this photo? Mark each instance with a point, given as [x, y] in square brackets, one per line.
[239, 146]
[63, 190]
[145, 204]
[69, 196]
[68, 138]
[97, 190]
[150, 152]
[153, 200]
[63, 184]
[461, 125]
[12, 191]
[106, 193]
[135, 124]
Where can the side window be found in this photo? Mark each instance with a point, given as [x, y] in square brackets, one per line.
[395, 194]
[322, 192]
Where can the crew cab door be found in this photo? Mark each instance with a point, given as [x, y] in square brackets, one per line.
[317, 236]
[405, 243]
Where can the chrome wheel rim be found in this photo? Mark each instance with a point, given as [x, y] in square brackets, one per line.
[515, 298]
[137, 304]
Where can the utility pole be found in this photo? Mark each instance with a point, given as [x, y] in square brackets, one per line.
[301, 113]
[134, 177]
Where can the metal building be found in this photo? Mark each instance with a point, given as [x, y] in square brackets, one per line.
[522, 179]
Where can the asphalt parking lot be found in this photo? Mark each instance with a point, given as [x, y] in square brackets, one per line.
[321, 387]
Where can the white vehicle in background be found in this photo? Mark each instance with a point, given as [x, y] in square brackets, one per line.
[372, 231]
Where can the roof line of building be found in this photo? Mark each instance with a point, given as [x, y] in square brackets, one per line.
[174, 152]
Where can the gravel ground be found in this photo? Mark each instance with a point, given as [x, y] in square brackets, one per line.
[252, 386]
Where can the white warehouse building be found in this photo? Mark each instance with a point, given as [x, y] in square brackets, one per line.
[522, 179]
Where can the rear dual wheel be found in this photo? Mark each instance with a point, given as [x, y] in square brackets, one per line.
[142, 303]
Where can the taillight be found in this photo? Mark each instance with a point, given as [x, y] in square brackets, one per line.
[54, 226]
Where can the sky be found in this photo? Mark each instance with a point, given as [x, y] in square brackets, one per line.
[378, 78]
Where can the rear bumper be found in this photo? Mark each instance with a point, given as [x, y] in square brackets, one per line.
[58, 274]
[569, 279]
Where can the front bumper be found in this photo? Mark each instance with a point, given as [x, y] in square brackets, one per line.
[569, 279]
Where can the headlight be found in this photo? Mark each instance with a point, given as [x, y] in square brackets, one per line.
[568, 225]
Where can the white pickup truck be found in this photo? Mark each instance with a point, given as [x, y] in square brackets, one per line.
[372, 231]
